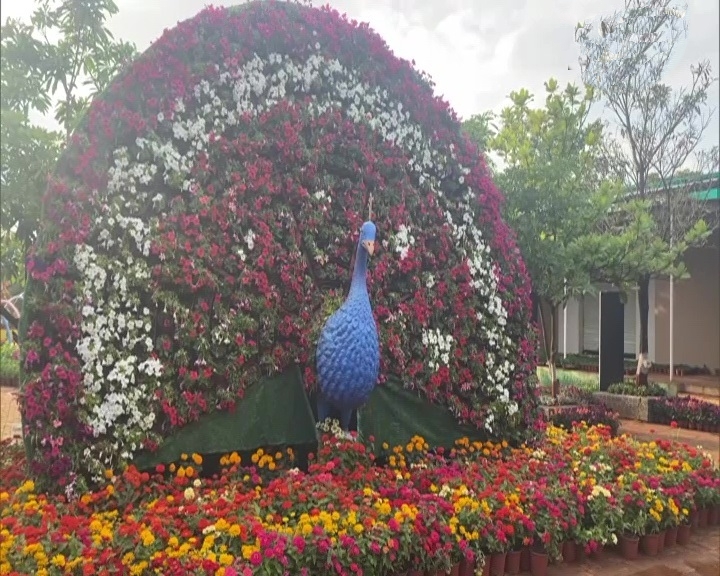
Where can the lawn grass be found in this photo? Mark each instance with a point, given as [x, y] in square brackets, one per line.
[583, 380]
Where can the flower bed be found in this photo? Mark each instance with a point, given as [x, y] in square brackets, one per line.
[632, 389]
[429, 510]
[630, 407]
[689, 413]
[201, 224]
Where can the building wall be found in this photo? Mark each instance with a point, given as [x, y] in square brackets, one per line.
[697, 310]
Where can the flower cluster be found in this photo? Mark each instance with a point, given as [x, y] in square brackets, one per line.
[206, 211]
[687, 412]
[425, 509]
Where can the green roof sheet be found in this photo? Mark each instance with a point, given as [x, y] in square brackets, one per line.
[707, 195]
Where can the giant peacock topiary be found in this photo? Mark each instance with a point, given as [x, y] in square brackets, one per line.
[348, 351]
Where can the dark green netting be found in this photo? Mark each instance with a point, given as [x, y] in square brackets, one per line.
[394, 415]
[277, 412]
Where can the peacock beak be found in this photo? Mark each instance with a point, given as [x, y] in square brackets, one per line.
[369, 246]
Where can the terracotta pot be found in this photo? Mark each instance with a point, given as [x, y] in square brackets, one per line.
[714, 515]
[702, 518]
[525, 560]
[579, 552]
[416, 573]
[671, 536]
[455, 570]
[598, 553]
[691, 425]
[568, 551]
[683, 534]
[649, 544]
[486, 567]
[629, 545]
[694, 519]
[497, 564]
[467, 568]
[661, 541]
[512, 562]
[538, 563]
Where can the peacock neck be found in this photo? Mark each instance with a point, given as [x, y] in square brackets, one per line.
[358, 286]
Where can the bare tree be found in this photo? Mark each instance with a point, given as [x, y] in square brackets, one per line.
[657, 128]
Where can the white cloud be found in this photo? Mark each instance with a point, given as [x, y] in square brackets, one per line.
[476, 52]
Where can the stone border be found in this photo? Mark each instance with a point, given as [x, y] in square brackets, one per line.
[643, 408]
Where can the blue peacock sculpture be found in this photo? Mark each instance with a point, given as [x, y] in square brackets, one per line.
[348, 350]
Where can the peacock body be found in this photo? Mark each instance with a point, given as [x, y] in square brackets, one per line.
[348, 350]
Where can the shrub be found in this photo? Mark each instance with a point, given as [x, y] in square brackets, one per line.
[207, 208]
[632, 389]
[9, 363]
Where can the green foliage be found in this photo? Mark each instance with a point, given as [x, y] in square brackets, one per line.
[554, 186]
[632, 389]
[56, 62]
[481, 128]
[9, 363]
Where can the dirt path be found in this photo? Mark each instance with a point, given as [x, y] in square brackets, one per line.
[700, 558]
[9, 415]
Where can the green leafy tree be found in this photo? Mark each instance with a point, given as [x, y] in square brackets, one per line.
[624, 57]
[557, 193]
[53, 64]
[481, 128]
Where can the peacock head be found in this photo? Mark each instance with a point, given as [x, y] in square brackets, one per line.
[367, 237]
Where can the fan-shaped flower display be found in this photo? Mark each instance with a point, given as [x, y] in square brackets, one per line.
[206, 211]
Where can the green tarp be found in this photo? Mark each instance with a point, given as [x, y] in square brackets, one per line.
[394, 415]
[277, 412]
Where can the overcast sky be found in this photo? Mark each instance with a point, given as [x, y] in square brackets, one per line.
[477, 51]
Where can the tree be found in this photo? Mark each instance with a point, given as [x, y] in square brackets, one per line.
[657, 128]
[556, 192]
[481, 128]
[57, 62]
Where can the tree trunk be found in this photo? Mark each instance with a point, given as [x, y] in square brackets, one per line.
[643, 366]
[552, 357]
[550, 345]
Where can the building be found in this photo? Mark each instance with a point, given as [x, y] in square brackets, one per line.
[695, 314]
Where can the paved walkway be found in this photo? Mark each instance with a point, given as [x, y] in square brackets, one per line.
[9, 415]
[699, 558]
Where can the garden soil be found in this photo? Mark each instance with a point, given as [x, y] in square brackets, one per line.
[700, 558]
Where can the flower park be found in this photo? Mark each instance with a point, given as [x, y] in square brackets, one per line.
[186, 321]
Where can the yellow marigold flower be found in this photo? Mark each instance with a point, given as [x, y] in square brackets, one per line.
[271, 466]
[234, 530]
[147, 537]
[189, 472]
[109, 473]
[197, 459]
[58, 560]
[254, 458]
[226, 559]
[181, 472]
[183, 457]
